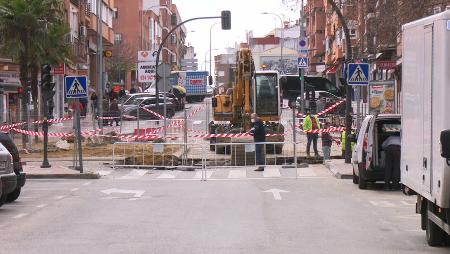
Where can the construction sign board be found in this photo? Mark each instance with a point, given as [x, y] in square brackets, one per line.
[76, 87]
[358, 74]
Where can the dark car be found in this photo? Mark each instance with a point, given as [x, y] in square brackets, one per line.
[8, 143]
[150, 104]
[291, 86]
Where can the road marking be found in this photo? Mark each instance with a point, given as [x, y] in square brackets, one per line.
[167, 175]
[41, 205]
[407, 203]
[137, 193]
[382, 203]
[74, 189]
[134, 174]
[20, 215]
[238, 173]
[104, 172]
[305, 172]
[276, 193]
[59, 197]
[207, 174]
[86, 183]
[271, 172]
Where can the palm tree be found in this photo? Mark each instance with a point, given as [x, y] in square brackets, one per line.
[28, 30]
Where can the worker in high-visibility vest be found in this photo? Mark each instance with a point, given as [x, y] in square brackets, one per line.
[311, 123]
[344, 139]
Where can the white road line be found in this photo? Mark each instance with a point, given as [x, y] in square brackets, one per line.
[134, 174]
[104, 172]
[41, 205]
[301, 172]
[59, 197]
[20, 215]
[167, 175]
[237, 173]
[198, 174]
[271, 172]
[382, 203]
[87, 183]
[407, 203]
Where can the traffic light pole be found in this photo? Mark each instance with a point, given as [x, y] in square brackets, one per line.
[78, 133]
[45, 163]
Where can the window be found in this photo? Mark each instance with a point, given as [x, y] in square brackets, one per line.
[73, 21]
[118, 38]
[93, 4]
[266, 94]
[436, 9]
[352, 33]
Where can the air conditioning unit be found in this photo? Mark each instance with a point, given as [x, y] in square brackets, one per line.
[69, 39]
[83, 31]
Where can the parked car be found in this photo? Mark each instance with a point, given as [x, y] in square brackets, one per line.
[291, 86]
[149, 103]
[131, 99]
[7, 176]
[330, 98]
[368, 159]
[20, 176]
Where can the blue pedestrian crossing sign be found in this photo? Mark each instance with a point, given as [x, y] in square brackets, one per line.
[303, 63]
[76, 87]
[358, 74]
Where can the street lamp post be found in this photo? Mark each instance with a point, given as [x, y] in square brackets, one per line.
[282, 36]
[206, 54]
[210, 54]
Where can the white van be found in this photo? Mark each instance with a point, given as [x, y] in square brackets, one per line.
[368, 158]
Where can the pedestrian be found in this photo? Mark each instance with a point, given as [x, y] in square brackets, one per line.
[122, 93]
[392, 148]
[259, 137]
[114, 112]
[133, 90]
[327, 142]
[84, 102]
[94, 100]
[106, 113]
[310, 125]
[344, 140]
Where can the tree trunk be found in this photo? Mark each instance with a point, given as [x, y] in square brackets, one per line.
[24, 101]
[34, 68]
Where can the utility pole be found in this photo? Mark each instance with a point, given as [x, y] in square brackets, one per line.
[100, 87]
[210, 78]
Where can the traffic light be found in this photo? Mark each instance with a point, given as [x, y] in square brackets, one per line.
[20, 92]
[47, 85]
[226, 20]
[210, 80]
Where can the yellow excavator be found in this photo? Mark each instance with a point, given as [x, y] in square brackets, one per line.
[252, 92]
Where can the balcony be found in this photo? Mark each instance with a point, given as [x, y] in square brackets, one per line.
[108, 33]
[78, 51]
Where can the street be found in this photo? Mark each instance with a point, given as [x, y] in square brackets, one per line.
[234, 211]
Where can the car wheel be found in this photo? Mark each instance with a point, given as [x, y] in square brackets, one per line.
[435, 235]
[355, 178]
[362, 183]
[13, 196]
[3, 199]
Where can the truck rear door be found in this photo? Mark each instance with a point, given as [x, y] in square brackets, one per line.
[427, 108]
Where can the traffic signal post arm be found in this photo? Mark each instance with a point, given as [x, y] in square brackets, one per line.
[164, 41]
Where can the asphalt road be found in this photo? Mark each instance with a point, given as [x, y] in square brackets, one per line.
[235, 211]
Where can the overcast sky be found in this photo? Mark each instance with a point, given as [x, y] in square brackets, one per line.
[245, 15]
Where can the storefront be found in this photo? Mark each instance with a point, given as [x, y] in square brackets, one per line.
[9, 98]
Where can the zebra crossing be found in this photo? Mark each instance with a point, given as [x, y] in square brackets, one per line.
[214, 174]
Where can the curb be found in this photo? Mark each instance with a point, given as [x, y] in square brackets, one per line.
[64, 176]
[336, 172]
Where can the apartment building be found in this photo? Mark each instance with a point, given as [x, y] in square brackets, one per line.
[315, 34]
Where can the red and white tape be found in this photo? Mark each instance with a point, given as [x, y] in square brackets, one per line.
[153, 113]
[325, 111]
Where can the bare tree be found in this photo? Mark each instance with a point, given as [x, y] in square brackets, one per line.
[121, 62]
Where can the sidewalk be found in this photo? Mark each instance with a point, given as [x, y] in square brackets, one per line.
[340, 169]
[58, 170]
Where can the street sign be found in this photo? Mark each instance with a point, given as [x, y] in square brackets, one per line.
[146, 56]
[164, 84]
[76, 87]
[146, 72]
[164, 70]
[358, 74]
[303, 63]
[59, 70]
[303, 47]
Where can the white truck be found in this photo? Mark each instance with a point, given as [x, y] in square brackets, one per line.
[425, 163]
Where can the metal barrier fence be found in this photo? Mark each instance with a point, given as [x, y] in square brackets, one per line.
[191, 156]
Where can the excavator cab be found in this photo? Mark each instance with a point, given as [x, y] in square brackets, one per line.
[266, 95]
